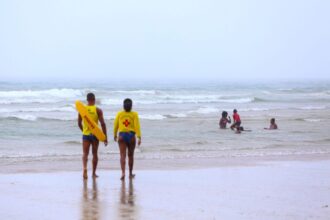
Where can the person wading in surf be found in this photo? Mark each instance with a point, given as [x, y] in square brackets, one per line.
[237, 122]
[273, 125]
[224, 120]
[88, 138]
[128, 125]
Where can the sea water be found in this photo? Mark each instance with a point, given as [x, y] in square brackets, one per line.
[179, 120]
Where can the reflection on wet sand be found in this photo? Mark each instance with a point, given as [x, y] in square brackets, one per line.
[127, 208]
[90, 207]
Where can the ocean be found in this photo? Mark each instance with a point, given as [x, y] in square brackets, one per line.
[178, 120]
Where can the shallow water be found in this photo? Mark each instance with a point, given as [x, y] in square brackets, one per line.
[178, 121]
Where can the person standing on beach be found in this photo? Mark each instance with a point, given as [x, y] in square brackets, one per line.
[224, 120]
[128, 125]
[237, 122]
[88, 138]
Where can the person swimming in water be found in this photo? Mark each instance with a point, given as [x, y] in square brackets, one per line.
[88, 138]
[237, 122]
[128, 125]
[224, 120]
[273, 125]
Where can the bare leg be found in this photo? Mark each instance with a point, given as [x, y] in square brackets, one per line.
[86, 146]
[232, 126]
[95, 147]
[122, 149]
[131, 149]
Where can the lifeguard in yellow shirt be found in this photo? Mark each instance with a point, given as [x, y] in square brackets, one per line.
[88, 138]
[127, 125]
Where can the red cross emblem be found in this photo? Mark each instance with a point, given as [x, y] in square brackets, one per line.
[126, 123]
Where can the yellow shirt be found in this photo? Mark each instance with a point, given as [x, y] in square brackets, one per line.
[91, 109]
[127, 122]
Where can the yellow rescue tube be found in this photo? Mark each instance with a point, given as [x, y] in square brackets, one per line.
[88, 121]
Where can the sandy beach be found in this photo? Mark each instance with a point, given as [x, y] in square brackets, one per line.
[266, 190]
[179, 76]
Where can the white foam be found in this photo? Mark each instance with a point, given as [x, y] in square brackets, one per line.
[253, 109]
[38, 96]
[178, 115]
[22, 117]
[239, 100]
[31, 117]
[205, 110]
[312, 108]
[152, 117]
[312, 120]
[139, 92]
[62, 93]
[179, 100]
[51, 109]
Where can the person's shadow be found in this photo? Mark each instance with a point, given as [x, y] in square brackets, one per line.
[127, 201]
[90, 207]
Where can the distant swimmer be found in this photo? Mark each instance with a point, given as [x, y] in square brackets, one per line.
[224, 120]
[273, 125]
[128, 125]
[237, 122]
[88, 138]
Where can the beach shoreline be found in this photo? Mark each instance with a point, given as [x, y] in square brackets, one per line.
[156, 164]
[280, 189]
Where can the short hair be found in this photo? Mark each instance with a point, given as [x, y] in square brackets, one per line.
[224, 114]
[235, 111]
[90, 97]
[128, 103]
[272, 120]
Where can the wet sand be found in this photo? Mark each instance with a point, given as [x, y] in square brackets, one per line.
[268, 190]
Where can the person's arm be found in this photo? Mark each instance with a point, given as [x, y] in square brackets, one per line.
[80, 122]
[115, 127]
[229, 119]
[103, 125]
[137, 128]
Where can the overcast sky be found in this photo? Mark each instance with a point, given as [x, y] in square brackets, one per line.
[170, 39]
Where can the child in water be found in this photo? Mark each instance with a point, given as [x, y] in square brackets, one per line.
[273, 125]
[128, 125]
[237, 122]
[224, 120]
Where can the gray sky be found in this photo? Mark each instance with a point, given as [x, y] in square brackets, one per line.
[170, 39]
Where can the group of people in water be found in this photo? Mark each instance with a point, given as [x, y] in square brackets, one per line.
[127, 132]
[225, 119]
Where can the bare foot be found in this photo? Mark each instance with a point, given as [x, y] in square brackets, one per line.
[95, 176]
[122, 177]
[131, 176]
[85, 176]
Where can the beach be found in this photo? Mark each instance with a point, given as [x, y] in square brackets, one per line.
[227, 101]
[187, 168]
[266, 190]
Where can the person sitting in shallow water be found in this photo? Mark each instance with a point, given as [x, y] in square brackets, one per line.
[224, 120]
[237, 122]
[272, 125]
